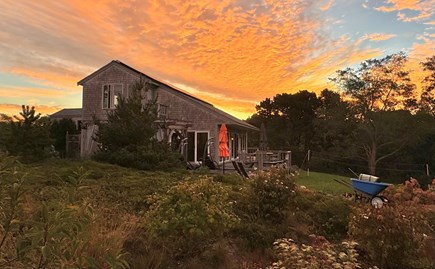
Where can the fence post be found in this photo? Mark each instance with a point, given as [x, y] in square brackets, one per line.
[288, 157]
[260, 160]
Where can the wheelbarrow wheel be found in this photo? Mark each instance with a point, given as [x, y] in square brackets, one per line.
[377, 202]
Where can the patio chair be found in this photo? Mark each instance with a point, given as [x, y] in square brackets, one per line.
[192, 165]
[236, 167]
[242, 169]
[210, 163]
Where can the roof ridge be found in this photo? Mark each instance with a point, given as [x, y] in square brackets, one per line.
[174, 88]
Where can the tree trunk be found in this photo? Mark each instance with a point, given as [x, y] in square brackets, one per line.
[371, 159]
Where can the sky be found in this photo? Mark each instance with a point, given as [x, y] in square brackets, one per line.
[231, 53]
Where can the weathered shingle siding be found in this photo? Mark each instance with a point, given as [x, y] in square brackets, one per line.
[188, 110]
[185, 109]
[93, 90]
[181, 107]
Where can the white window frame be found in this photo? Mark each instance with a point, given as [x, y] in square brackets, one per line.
[195, 153]
[111, 88]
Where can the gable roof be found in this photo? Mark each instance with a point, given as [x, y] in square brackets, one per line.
[174, 90]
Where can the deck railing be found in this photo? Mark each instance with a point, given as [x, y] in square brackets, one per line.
[263, 159]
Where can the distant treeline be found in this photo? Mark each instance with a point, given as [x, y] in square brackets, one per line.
[378, 122]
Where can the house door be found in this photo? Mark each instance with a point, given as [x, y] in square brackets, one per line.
[234, 145]
[196, 145]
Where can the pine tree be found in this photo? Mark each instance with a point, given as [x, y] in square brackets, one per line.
[29, 135]
[128, 138]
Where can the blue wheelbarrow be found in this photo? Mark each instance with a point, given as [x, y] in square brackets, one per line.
[367, 190]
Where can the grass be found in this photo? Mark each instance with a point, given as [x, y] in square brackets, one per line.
[322, 182]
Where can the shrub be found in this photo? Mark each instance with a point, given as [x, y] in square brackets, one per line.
[28, 136]
[61, 232]
[58, 131]
[262, 205]
[410, 193]
[128, 138]
[319, 254]
[323, 214]
[258, 234]
[391, 236]
[191, 215]
[270, 193]
[156, 156]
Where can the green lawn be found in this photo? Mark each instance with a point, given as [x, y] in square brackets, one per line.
[322, 182]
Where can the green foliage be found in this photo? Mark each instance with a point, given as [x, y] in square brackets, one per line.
[128, 136]
[378, 84]
[191, 215]
[263, 205]
[11, 195]
[328, 216]
[376, 89]
[410, 193]
[391, 236]
[270, 194]
[58, 131]
[289, 119]
[155, 156]
[334, 124]
[427, 99]
[28, 135]
[42, 232]
[258, 234]
[130, 123]
[319, 254]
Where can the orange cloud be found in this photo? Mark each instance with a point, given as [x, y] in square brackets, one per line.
[424, 8]
[28, 92]
[378, 36]
[59, 78]
[418, 54]
[14, 109]
[232, 53]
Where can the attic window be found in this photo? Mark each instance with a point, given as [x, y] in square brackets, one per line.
[162, 111]
[111, 95]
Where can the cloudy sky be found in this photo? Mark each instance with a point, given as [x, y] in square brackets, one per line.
[232, 53]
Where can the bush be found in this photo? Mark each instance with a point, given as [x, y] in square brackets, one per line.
[270, 193]
[128, 138]
[156, 156]
[323, 214]
[58, 131]
[28, 136]
[319, 254]
[258, 234]
[391, 236]
[54, 232]
[262, 205]
[191, 215]
[410, 193]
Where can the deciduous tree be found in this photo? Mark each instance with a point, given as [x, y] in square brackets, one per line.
[427, 100]
[376, 87]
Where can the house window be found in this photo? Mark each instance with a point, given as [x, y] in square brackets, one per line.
[162, 111]
[111, 95]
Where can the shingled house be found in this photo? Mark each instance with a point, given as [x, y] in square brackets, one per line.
[196, 121]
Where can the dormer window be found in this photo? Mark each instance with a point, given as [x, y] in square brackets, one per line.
[111, 95]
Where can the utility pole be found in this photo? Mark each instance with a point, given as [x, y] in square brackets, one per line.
[308, 162]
